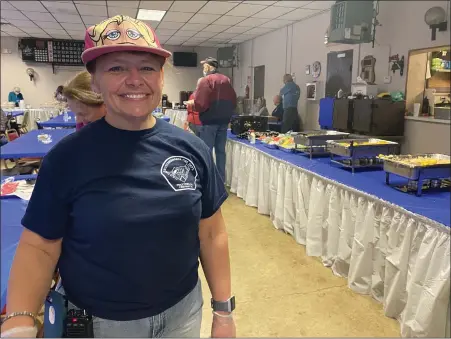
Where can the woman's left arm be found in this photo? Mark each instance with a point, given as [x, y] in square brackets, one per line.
[214, 257]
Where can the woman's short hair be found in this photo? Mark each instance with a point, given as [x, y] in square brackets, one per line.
[79, 88]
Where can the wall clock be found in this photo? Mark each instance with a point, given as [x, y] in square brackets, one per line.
[316, 69]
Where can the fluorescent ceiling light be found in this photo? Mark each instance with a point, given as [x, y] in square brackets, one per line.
[150, 14]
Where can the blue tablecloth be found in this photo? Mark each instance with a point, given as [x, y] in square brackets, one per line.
[14, 113]
[435, 206]
[28, 144]
[58, 121]
[11, 229]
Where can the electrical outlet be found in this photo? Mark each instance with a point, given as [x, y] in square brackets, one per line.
[387, 79]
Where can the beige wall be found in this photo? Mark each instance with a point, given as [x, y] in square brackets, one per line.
[292, 48]
[41, 90]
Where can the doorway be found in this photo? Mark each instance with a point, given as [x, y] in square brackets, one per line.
[339, 72]
[259, 82]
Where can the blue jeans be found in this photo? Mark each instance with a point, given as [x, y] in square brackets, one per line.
[182, 320]
[215, 136]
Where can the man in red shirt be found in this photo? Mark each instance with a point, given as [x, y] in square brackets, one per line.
[215, 100]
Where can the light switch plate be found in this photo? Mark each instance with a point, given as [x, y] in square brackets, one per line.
[387, 79]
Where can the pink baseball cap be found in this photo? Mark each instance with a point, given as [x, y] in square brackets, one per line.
[121, 34]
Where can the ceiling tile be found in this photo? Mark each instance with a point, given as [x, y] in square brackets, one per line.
[133, 4]
[19, 35]
[153, 24]
[170, 25]
[298, 14]
[60, 36]
[193, 27]
[177, 17]
[292, 4]
[259, 30]
[40, 35]
[60, 7]
[229, 20]
[205, 34]
[72, 27]
[265, 3]
[22, 23]
[237, 29]
[165, 31]
[36, 16]
[217, 7]
[48, 24]
[29, 6]
[218, 41]
[235, 41]
[207, 44]
[319, 5]
[158, 5]
[9, 14]
[94, 3]
[272, 12]
[10, 29]
[244, 36]
[185, 34]
[68, 18]
[4, 5]
[32, 30]
[187, 6]
[79, 35]
[92, 10]
[226, 35]
[191, 44]
[204, 18]
[177, 40]
[216, 28]
[4, 34]
[246, 10]
[252, 22]
[277, 23]
[196, 39]
[54, 31]
[129, 11]
[93, 20]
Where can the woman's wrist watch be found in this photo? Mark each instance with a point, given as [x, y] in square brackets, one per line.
[223, 306]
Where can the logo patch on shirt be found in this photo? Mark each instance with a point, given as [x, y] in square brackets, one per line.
[180, 173]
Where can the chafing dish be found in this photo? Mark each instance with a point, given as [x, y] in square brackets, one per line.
[418, 168]
[315, 142]
[361, 152]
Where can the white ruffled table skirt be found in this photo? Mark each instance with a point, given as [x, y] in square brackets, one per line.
[399, 258]
[177, 116]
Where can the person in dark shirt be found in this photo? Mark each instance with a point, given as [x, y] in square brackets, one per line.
[126, 207]
[215, 100]
[278, 110]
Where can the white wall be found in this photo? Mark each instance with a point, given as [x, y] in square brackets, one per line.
[42, 89]
[403, 28]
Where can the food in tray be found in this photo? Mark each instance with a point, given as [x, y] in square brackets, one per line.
[420, 160]
[374, 142]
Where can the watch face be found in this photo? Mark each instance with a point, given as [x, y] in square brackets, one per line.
[223, 306]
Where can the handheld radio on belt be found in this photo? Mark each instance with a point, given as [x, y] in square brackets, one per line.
[78, 324]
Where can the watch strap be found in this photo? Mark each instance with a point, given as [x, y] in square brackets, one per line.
[223, 306]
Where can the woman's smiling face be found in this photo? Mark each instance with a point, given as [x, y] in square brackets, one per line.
[131, 83]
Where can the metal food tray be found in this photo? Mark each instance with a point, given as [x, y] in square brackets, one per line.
[361, 151]
[417, 172]
[318, 138]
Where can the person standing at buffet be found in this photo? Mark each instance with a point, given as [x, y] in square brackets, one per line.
[15, 96]
[126, 207]
[215, 100]
[59, 94]
[290, 94]
[193, 120]
[87, 105]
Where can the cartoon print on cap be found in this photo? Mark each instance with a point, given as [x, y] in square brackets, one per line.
[122, 30]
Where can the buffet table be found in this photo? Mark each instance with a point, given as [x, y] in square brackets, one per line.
[391, 245]
[177, 116]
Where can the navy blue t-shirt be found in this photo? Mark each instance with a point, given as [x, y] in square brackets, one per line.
[127, 205]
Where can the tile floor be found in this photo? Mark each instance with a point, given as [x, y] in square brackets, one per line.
[283, 293]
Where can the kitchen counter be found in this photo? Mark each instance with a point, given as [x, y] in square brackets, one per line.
[426, 135]
[429, 120]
